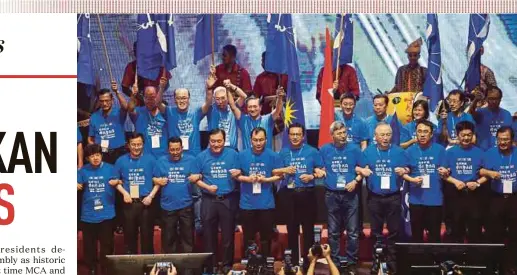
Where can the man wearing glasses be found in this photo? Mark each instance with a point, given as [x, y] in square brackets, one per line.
[450, 118]
[411, 77]
[150, 120]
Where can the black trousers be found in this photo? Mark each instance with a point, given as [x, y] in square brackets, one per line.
[428, 218]
[219, 212]
[467, 216]
[301, 210]
[385, 209]
[138, 216]
[101, 232]
[111, 157]
[182, 220]
[258, 221]
[503, 213]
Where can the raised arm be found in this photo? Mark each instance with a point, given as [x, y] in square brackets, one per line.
[279, 103]
[209, 93]
[121, 99]
[236, 111]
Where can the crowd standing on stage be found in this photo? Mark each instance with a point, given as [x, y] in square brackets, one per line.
[461, 171]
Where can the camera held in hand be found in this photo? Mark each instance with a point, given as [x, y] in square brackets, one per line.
[255, 263]
[162, 268]
[289, 268]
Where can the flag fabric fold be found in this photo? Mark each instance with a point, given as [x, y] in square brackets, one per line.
[281, 58]
[479, 25]
[85, 71]
[433, 86]
[344, 35]
[155, 44]
[206, 33]
[327, 97]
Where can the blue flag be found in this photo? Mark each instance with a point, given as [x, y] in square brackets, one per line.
[395, 129]
[479, 25]
[344, 34]
[433, 86]
[85, 72]
[206, 30]
[155, 44]
[281, 58]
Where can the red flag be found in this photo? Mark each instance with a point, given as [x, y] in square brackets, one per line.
[327, 98]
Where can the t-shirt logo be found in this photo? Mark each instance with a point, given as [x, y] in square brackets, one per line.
[426, 165]
[176, 175]
[96, 184]
[464, 166]
[218, 171]
[383, 168]
[154, 128]
[338, 164]
[106, 131]
[186, 126]
[136, 176]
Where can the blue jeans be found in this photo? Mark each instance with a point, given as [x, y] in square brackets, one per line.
[343, 213]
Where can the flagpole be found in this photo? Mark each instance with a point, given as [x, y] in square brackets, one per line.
[212, 38]
[105, 48]
[339, 46]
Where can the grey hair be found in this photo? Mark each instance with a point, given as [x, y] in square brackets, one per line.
[382, 123]
[181, 89]
[219, 88]
[336, 125]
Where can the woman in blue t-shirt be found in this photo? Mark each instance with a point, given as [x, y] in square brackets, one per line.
[98, 206]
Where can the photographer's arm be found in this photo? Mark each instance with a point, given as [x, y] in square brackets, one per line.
[332, 266]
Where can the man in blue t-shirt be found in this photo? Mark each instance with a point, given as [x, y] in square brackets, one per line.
[342, 183]
[463, 189]
[214, 172]
[384, 164]
[136, 186]
[449, 119]
[257, 203]
[357, 131]
[107, 125]
[425, 187]
[222, 112]
[300, 161]
[253, 119]
[171, 174]
[490, 118]
[150, 121]
[500, 165]
[98, 206]
[380, 106]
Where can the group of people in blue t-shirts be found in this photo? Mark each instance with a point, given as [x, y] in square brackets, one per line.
[471, 185]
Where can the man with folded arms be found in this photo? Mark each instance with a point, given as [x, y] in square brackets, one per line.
[340, 159]
[215, 170]
[136, 171]
[171, 174]
[500, 165]
[257, 203]
[384, 164]
[425, 187]
[463, 185]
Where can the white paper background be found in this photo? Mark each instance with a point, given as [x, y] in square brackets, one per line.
[45, 204]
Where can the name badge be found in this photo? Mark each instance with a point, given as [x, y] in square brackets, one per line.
[105, 145]
[507, 186]
[97, 205]
[341, 182]
[349, 138]
[385, 183]
[184, 142]
[155, 141]
[290, 183]
[426, 183]
[134, 191]
[257, 189]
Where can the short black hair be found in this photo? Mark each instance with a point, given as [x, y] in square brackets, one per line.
[505, 128]
[92, 149]
[231, 49]
[385, 97]
[347, 95]
[135, 135]
[426, 123]
[216, 131]
[175, 139]
[457, 92]
[465, 125]
[494, 88]
[422, 103]
[253, 97]
[296, 125]
[105, 91]
[257, 130]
